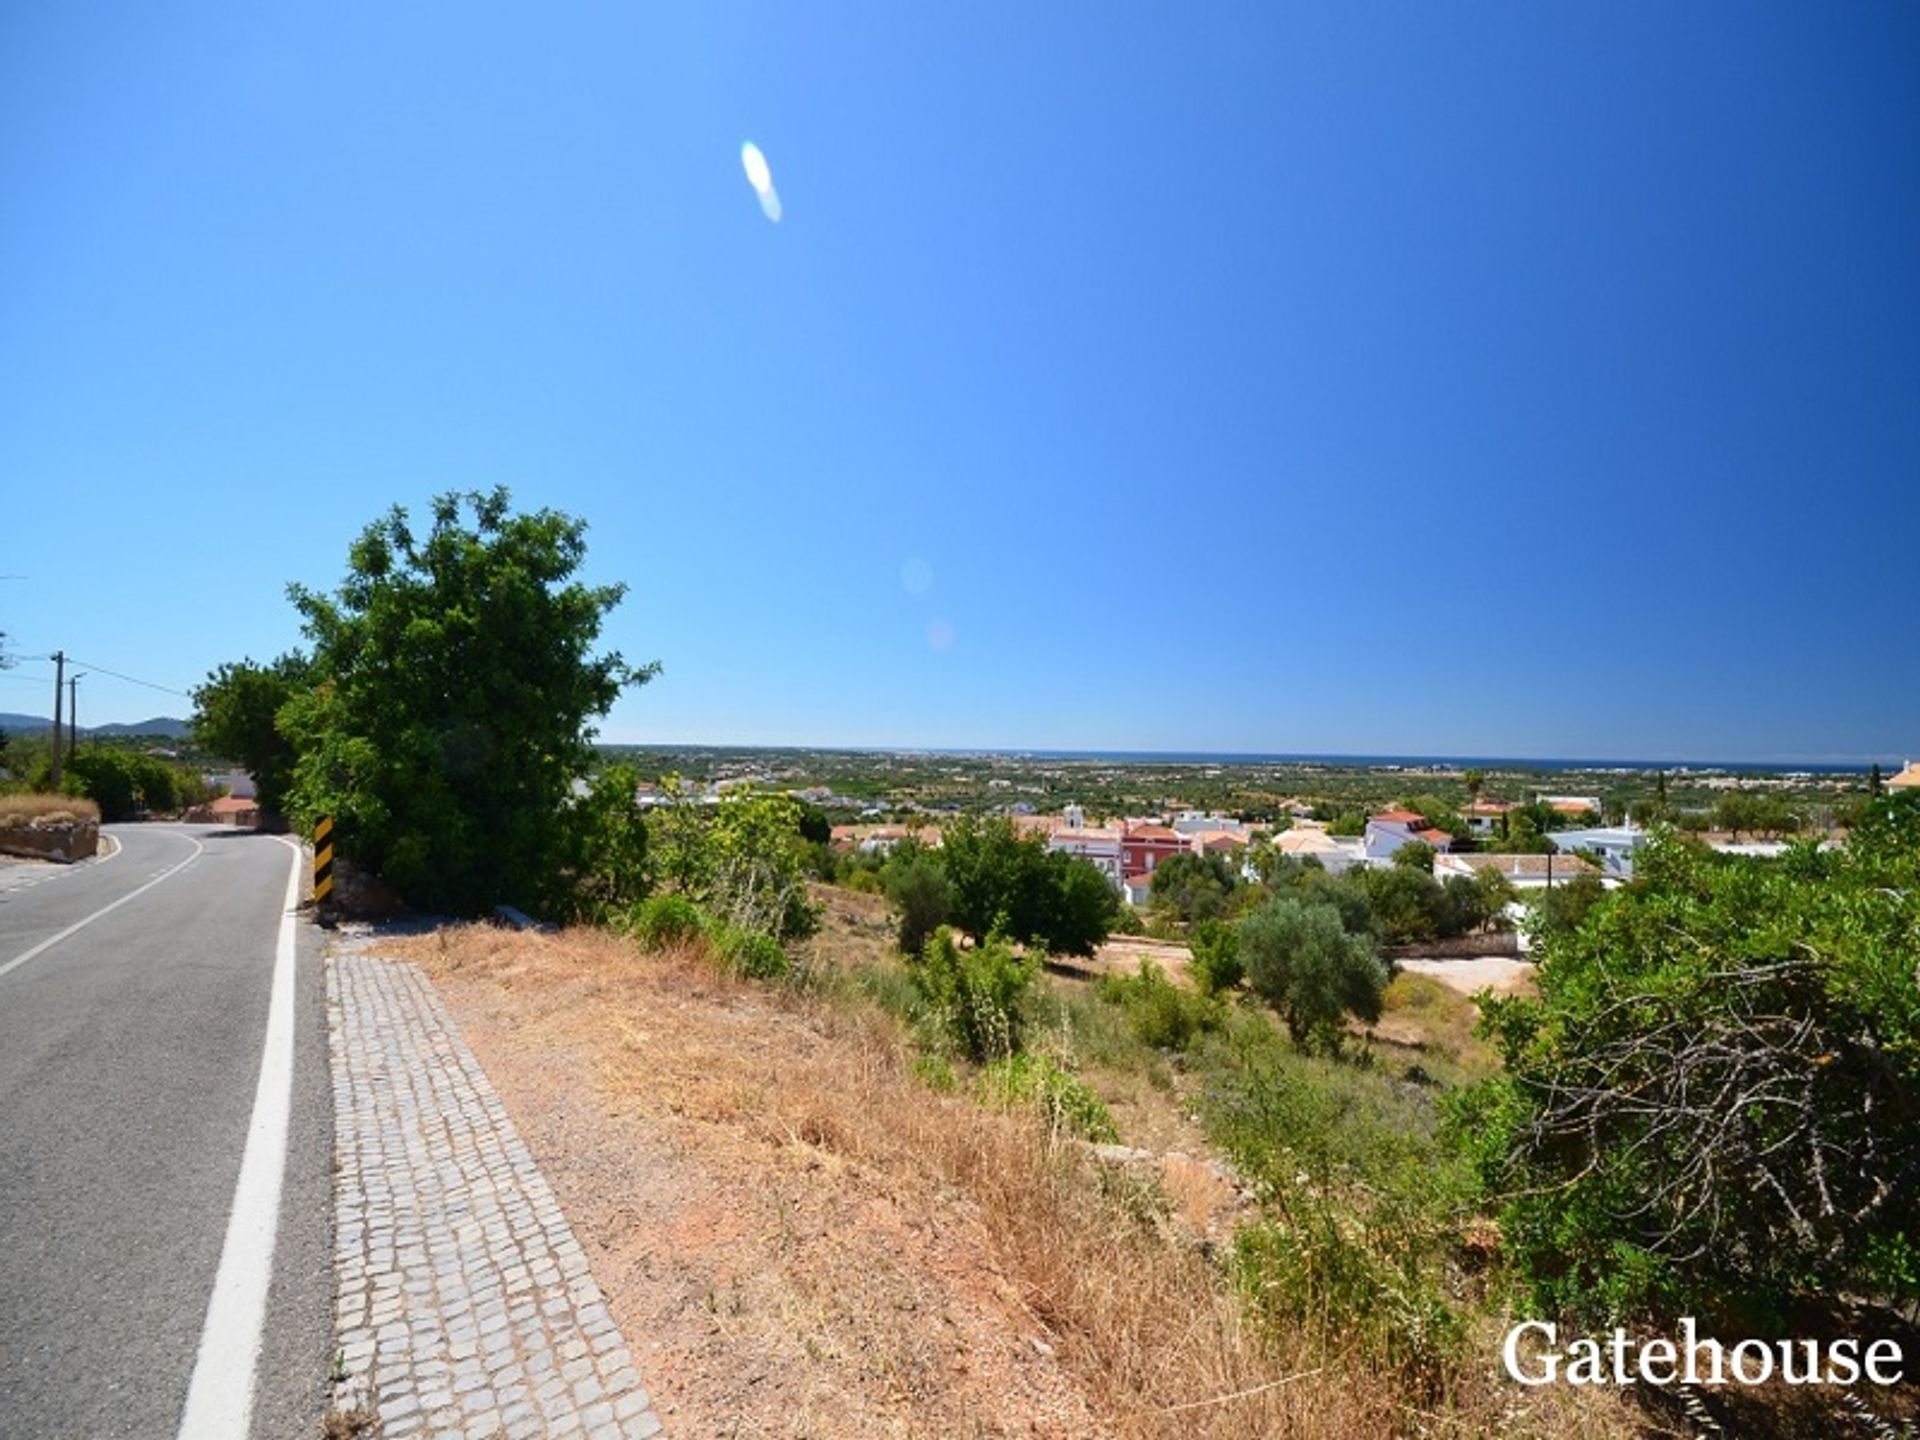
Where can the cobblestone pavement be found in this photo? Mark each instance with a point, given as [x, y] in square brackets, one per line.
[464, 1307]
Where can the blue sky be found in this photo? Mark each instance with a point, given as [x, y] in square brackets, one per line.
[1358, 378]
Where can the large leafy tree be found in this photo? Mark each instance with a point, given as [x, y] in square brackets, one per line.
[1302, 961]
[1194, 887]
[1715, 1101]
[455, 683]
[236, 716]
[1001, 881]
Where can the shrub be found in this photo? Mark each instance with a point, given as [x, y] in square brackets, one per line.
[752, 953]
[1360, 1205]
[743, 861]
[1301, 961]
[606, 843]
[1159, 1012]
[866, 882]
[916, 884]
[1216, 966]
[1065, 1101]
[663, 920]
[974, 1000]
[1712, 1103]
[123, 783]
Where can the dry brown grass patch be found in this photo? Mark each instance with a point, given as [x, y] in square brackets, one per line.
[25, 809]
[819, 1245]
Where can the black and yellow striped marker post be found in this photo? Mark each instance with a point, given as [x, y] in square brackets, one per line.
[323, 860]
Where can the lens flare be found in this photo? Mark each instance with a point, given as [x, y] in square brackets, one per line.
[755, 164]
[760, 177]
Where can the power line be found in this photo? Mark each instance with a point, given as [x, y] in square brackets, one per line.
[164, 689]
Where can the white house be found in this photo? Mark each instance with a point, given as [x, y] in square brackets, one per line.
[1614, 844]
[1390, 829]
[1486, 817]
[1336, 853]
[1099, 846]
[1523, 872]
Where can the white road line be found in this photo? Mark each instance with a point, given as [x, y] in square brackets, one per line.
[220, 1396]
[79, 925]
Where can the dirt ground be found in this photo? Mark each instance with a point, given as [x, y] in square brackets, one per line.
[800, 1239]
[767, 1283]
[1487, 972]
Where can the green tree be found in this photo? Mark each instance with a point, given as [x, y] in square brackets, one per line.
[1003, 882]
[1216, 966]
[1193, 887]
[1495, 893]
[236, 714]
[1564, 905]
[916, 883]
[123, 783]
[1405, 903]
[1415, 855]
[1711, 1106]
[1304, 963]
[607, 846]
[1475, 781]
[454, 683]
[1526, 834]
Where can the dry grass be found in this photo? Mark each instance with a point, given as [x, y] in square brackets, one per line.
[822, 1246]
[1424, 1014]
[26, 809]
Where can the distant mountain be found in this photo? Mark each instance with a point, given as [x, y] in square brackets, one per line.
[165, 725]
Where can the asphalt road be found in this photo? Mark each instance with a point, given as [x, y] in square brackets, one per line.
[129, 1056]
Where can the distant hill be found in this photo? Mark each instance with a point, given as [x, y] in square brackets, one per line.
[166, 725]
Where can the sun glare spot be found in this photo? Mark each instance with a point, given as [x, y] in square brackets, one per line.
[760, 177]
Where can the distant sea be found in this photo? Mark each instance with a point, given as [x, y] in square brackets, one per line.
[1405, 762]
[1453, 762]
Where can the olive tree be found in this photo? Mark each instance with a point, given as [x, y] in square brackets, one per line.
[1302, 961]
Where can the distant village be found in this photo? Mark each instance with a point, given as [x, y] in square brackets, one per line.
[1128, 850]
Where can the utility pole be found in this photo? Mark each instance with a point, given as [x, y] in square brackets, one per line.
[59, 689]
[73, 714]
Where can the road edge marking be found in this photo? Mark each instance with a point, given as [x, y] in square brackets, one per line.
[220, 1395]
[79, 925]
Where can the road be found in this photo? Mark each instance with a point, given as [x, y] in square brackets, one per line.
[131, 1050]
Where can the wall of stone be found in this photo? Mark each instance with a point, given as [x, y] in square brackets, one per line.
[62, 840]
